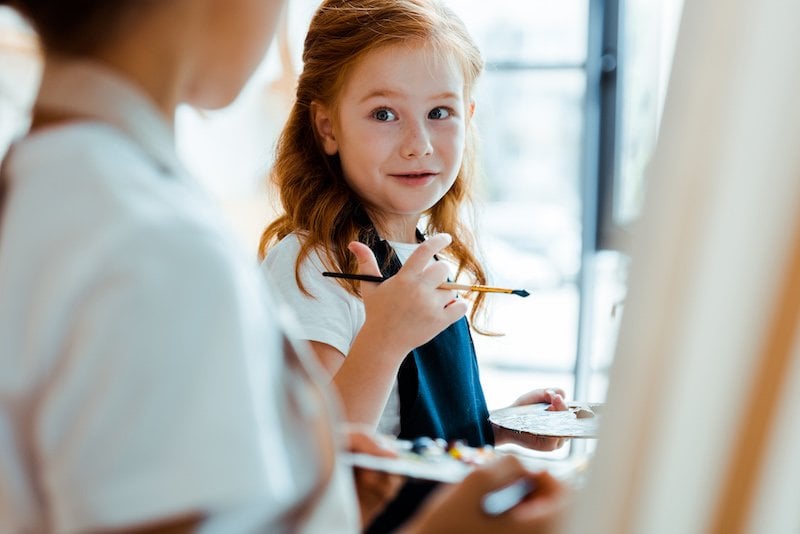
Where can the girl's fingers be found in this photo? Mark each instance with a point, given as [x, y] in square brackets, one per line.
[367, 264]
[557, 403]
[436, 273]
[421, 257]
[455, 311]
[418, 264]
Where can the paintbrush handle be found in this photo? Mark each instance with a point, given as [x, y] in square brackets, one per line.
[504, 499]
[467, 287]
[447, 285]
[349, 276]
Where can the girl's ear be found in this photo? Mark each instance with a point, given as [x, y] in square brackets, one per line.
[321, 117]
[471, 109]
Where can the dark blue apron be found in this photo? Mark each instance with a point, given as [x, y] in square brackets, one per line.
[440, 397]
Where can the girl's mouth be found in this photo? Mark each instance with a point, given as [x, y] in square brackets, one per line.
[415, 175]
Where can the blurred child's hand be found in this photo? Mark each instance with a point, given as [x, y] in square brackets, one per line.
[374, 489]
[457, 508]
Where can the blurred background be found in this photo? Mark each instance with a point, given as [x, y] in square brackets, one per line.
[568, 112]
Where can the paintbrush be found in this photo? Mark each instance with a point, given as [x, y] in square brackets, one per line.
[504, 499]
[446, 285]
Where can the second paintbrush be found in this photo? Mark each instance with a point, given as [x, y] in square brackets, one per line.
[446, 285]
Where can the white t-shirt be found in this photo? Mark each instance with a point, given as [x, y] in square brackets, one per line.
[331, 315]
[141, 374]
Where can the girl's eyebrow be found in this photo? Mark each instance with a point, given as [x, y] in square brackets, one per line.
[388, 93]
[446, 95]
[380, 93]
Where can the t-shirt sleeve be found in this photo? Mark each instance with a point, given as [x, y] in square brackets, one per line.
[330, 314]
[167, 398]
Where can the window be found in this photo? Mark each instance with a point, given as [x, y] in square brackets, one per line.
[530, 113]
[569, 110]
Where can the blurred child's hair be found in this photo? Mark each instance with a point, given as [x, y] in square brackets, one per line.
[70, 28]
[317, 202]
[75, 27]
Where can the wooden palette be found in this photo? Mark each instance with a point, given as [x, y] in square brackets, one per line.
[534, 419]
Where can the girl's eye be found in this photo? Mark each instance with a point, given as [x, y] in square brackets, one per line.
[439, 113]
[384, 115]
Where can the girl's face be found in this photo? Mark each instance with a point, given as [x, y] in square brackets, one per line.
[400, 132]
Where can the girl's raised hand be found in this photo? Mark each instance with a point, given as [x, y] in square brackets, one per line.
[408, 309]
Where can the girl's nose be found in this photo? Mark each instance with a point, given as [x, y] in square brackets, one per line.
[416, 140]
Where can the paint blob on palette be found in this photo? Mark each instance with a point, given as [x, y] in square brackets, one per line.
[426, 459]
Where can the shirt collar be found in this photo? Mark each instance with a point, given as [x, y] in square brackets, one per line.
[90, 89]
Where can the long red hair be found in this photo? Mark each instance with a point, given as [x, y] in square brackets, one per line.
[317, 203]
